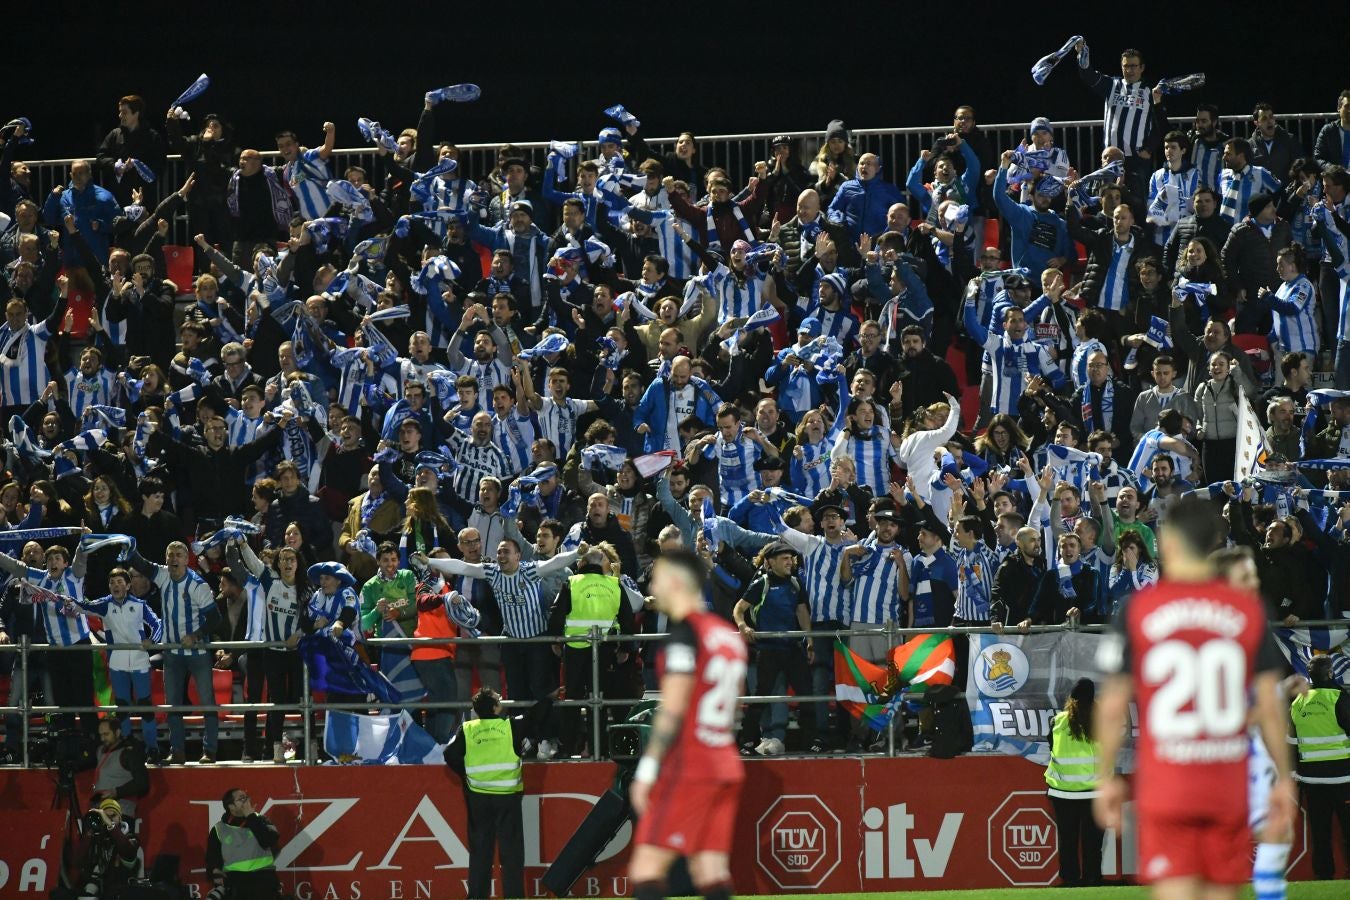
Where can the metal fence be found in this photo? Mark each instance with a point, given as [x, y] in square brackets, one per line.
[738, 153]
[595, 704]
[307, 706]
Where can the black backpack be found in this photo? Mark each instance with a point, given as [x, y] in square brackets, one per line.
[951, 733]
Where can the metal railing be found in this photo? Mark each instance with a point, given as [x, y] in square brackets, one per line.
[738, 153]
[596, 703]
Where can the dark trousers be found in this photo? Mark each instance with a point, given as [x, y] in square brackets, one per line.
[578, 685]
[788, 659]
[71, 676]
[282, 670]
[254, 680]
[1325, 801]
[1080, 842]
[495, 821]
[263, 883]
[822, 682]
[531, 671]
[1218, 455]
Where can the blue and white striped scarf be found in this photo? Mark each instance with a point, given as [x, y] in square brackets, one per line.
[1046, 64]
[1066, 573]
[24, 444]
[606, 456]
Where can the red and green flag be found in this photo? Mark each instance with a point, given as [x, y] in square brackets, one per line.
[873, 693]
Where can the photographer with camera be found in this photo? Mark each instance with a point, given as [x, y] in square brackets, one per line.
[119, 772]
[239, 851]
[102, 859]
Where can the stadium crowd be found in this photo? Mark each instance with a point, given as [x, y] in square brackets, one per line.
[423, 401]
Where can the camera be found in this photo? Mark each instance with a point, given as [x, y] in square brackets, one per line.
[94, 824]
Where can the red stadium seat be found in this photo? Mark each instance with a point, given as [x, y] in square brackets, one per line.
[178, 265]
[1257, 348]
[991, 232]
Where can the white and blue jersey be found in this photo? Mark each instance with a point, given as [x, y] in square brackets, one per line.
[524, 612]
[1208, 163]
[352, 380]
[308, 177]
[330, 607]
[876, 583]
[516, 435]
[737, 298]
[23, 363]
[683, 263]
[558, 422]
[975, 569]
[1171, 195]
[871, 454]
[63, 628]
[85, 391]
[735, 466]
[184, 605]
[1295, 305]
[127, 621]
[1236, 190]
[1115, 292]
[829, 599]
[1144, 452]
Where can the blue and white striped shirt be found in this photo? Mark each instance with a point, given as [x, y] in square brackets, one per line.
[871, 455]
[558, 421]
[810, 473]
[671, 246]
[737, 298]
[876, 583]
[975, 569]
[308, 177]
[1208, 162]
[184, 605]
[735, 466]
[1116, 284]
[516, 435]
[86, 391]
[23, 363]
[1178, 189]
[1296, 320]
[1237, 188]
[62, 629]
[830, 600]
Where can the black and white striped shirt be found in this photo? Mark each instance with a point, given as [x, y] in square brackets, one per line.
[524, 613]
[1127, 112]
[473, 462]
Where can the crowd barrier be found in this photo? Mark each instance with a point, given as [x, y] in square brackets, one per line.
[738, 153]
[308, 705]
[837, 824]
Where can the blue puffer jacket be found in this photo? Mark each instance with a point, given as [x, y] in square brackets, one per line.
[93, 204]
[860, 206]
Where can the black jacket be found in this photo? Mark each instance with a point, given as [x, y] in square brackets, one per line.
[1248, 257]
[1327, 148]
[1100, 244]
[145, 144]
[1279, 158]
[1015, 583]
[1050, 606]
[1189, 228]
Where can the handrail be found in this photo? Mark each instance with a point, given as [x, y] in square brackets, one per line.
[769, 135]
[596, 703]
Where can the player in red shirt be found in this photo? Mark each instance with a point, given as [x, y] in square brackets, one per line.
[690, 810]
[1192, 650]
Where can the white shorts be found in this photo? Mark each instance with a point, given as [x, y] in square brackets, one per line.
[1261, 777]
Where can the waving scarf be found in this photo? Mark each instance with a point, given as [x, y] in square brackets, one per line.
[1046, 64]
[193, 91]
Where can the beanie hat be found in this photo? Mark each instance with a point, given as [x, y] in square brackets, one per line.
[1041, 123]
[836, 128]
[1258, 203]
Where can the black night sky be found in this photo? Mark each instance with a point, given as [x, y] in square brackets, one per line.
[548, 69]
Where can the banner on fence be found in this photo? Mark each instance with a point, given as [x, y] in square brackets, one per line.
[1301, 645]
[1016, 684]
[837, 825]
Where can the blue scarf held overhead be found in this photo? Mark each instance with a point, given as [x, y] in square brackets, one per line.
[1046, 64]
